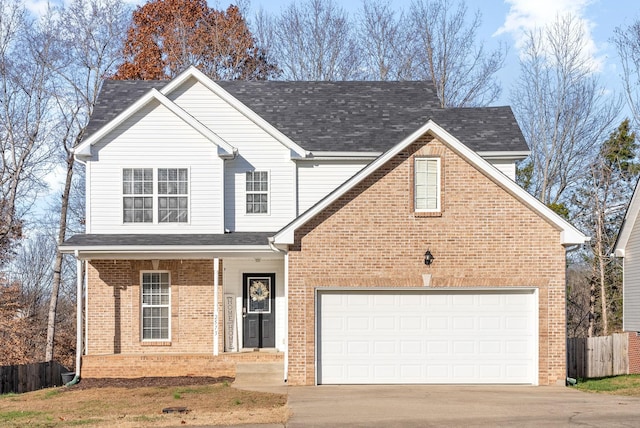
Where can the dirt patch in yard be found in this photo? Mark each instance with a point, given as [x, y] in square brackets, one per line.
[142, 382]
[139, 403]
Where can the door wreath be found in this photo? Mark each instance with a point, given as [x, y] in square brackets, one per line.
[258, 291]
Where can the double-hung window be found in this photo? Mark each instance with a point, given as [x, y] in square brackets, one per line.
[427, 184]
[137, 191]
[168, 191]
[257, 192]
[156, 305]
[173, 195]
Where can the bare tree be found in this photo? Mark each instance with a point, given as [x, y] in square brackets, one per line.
[385, 42]
[602, 201]
[579, 316]
[313, 40]
[89, 39]
[627, 41]
[446, 53]
[562, 110]
[25, 116]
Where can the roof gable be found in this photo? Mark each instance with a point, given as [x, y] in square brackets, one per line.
[346, 116]
[569, 234]
[224, 148]
[629, 222]
[193, 72]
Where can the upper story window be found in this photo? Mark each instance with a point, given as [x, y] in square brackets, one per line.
[427, 184]
[170, 195]
[174, 183]
[156, 306]
[257, 192]
[137, 182]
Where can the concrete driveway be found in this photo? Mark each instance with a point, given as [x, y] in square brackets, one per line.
[457, 406]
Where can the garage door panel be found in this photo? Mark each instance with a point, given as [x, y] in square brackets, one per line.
[427, 337]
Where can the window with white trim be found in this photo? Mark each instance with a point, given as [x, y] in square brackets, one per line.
[173, 195]
[156, 306]
[427, 184]
[257, 188]
[135, 207]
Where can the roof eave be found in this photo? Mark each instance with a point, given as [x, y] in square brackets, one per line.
[628, 223]
[146, 252]
[509, 155]
[569, 234]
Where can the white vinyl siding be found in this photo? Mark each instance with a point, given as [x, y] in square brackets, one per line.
[319, 178]
[505, 166]
[155, 138]
[631, 288]
[156, 306]
[427, 184]
[257, 151]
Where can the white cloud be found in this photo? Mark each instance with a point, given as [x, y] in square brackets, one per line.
[526, 15]
[37, 7]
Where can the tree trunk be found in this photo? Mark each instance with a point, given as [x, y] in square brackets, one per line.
[592, 309]
[601, 276]
[57, 269]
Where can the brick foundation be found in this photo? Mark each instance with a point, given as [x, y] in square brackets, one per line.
[634, 353]
[162, 365]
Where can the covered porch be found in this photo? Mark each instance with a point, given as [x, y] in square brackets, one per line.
[179, 305]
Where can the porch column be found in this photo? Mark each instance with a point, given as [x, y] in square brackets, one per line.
[79, 300]
[216, 333]
[286, 316]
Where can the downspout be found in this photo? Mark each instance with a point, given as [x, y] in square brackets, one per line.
[286, 307]
[216, 333]
[79, 281]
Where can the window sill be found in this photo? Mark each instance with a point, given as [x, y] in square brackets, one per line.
[427, 214]
[159, 343]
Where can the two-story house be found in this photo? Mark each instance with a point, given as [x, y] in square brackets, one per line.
[353, 231]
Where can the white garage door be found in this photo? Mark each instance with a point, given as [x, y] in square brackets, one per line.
[427, 336]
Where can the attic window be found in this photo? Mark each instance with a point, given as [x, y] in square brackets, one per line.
[427, 184]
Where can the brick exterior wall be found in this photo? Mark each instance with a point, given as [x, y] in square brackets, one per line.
[370, 237]
[113, 312]
[634, 353]
[167, 365]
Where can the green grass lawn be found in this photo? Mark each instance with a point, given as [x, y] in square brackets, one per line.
[615, 385]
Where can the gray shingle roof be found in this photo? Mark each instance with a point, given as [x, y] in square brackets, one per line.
[343, 116]
[173, 240]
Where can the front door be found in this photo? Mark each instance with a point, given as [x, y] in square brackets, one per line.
[258, 310]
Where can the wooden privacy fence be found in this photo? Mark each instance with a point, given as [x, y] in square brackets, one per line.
[30, 377]
[598, 356]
